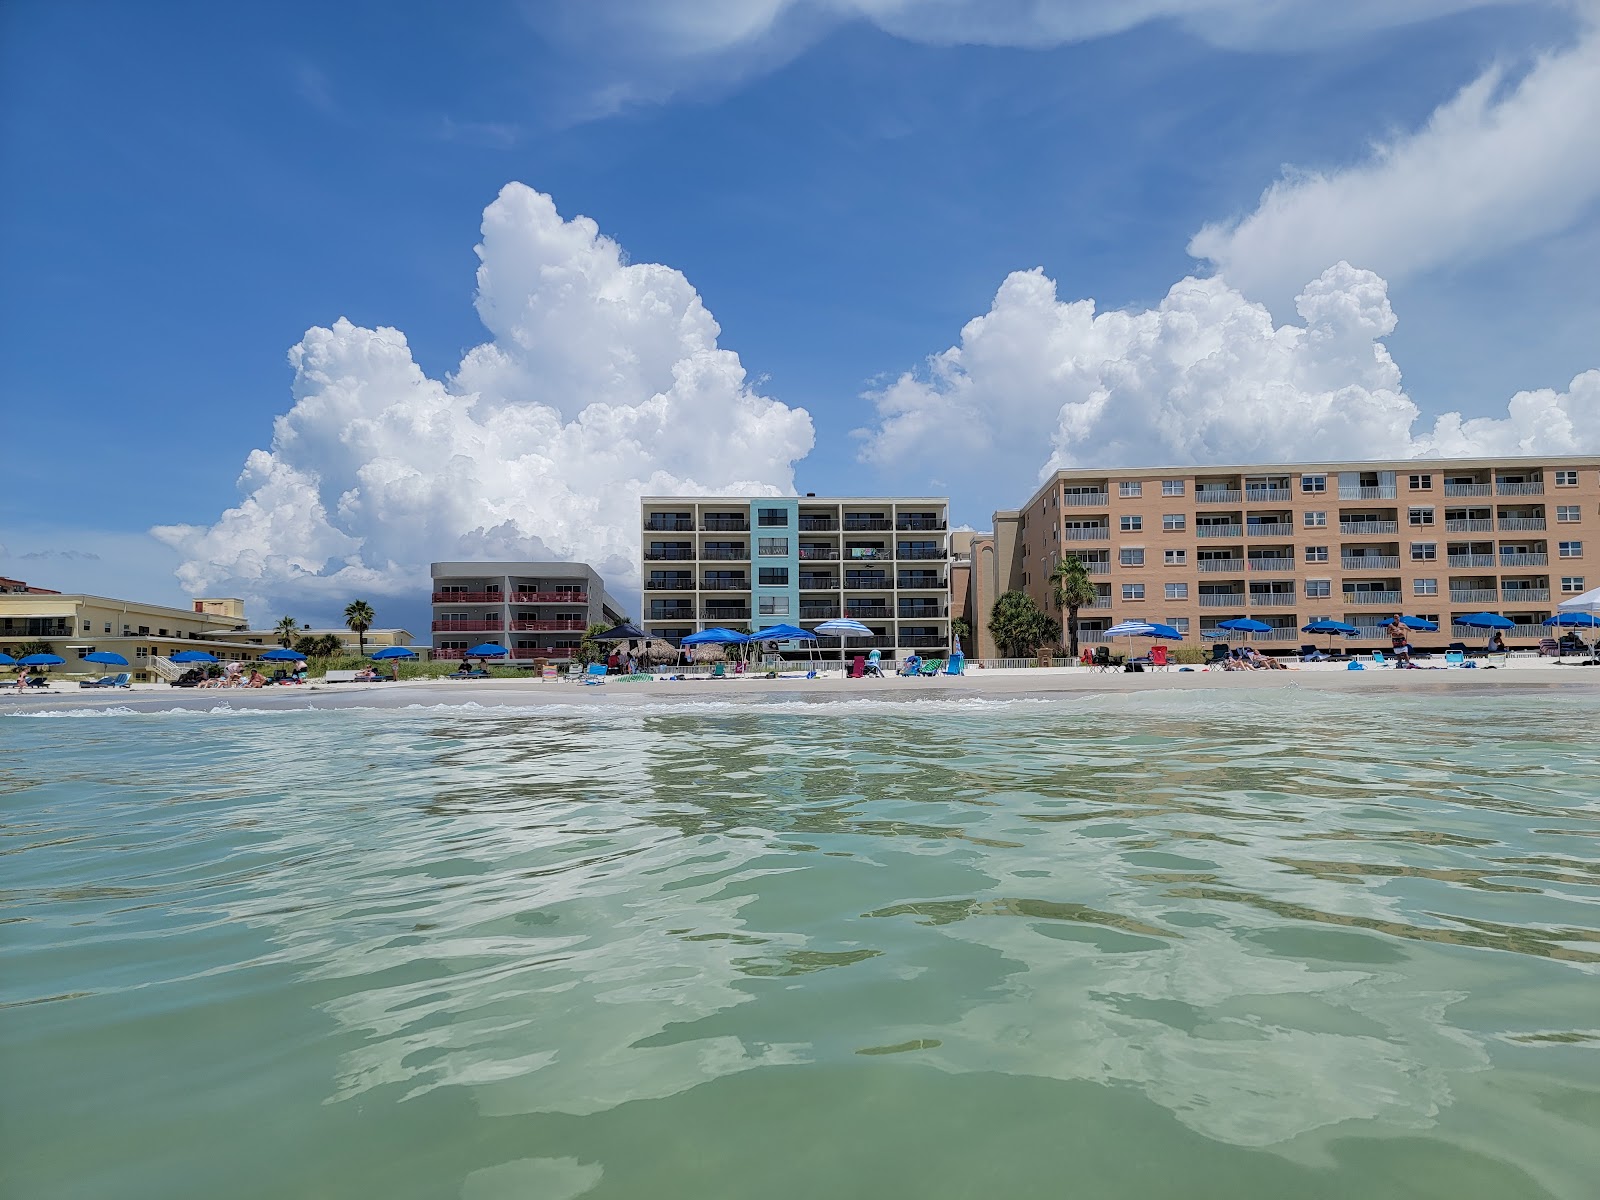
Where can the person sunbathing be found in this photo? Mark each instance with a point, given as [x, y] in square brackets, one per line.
[257, 679]
[1262, 661]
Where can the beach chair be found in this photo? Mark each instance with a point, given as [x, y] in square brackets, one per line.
[1455, 658]
[595, 673]
[955, 665]
[1378, 659]
[1104, 660]
[1549, 647]
[858, 666]
[932, 666]
[1219, 653]
[719, 670]
[1158, 658]
[1462, 649]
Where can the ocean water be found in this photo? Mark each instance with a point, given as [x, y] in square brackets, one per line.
[1242, 945]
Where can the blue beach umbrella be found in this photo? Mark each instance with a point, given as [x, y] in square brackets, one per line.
[395, 652]
[41, 660]
[106, 658]
[487, 650]
[193, 656]
[1419, 623]
[282, 654]
[1245, 625]
[1484, 620]
[1582, 620]
[1165, 633]
[1330, 627]
[6, 660]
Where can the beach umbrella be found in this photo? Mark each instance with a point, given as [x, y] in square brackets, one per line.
[6, 660]
[1244, 625]
[843, 630]
[1581, 620]
[193, 656]
[41, 660]
[487, 650]
[1419, 623]
[281, 654]
[106, 658]
[1330, 628]
[1165, 633]
[1484, 620]
[396, 653]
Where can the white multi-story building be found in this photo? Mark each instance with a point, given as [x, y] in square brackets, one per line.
[760, 561]
[533, 609]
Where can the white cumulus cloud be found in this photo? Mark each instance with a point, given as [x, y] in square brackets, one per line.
[1205, 376]
[1498, 165]
[602, 381]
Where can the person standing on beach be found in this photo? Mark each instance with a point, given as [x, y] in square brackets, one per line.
[1398, 640]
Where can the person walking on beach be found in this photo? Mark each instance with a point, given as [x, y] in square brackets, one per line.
[1398, 640]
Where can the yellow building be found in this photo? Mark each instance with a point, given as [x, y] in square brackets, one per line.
[74, 625]
[376, 639]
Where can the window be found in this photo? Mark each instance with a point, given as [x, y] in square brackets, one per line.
[1572, 583]
[1422, 483]
[108, 626]
[1316, 520]
[774, 606]
[1569, 549]
[1177, 591]
[1420, 516]
[1424, 551]
[1313, 483]
[773, 518]
[1131, 556]
[1566, 479]
[88, 627]
[1132, 524]
[1424, 587]
[1316, 588]
[1133, 591]
[1181, 624]
[773, 546]
[1177, 558]
[1316, 554]
[1173, 523]
[1568, 513]
[1129, 490]
[773, 576]
[1172, 487]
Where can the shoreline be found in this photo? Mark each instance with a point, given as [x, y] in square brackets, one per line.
[755, 691]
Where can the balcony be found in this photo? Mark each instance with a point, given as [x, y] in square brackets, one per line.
[818, 552]
[1271, 565]
[1530, 632]
[679, 583]
[725, 524]
[1467, 525]
[923, 641]
[818, 583]
[1387, 599]
[1276, 529]
[866, 524]
[1102, 602]
[1370, 562]
[1218, 531]
[466, 626]
[1368, 528]
[468, 598]
[919, 524]
[1501, 488]
[1220, 566]
[725, 583]
[1467, 489]
[1218, 496]
[1513, 595]
[1537, 559]
[537, 626]
[867, 612]
[1096, 566]
[916, 612]
[818, 524]
[818, 612]
[1474, 596]
[549, 597]
[658, 524]
[1221, 599]
[1381, 492]
[1267, 495]
[1521, 524]
[728, 612]
[914, 582]
[668, 555]
[938, 552]
[1272, 599]
[671, 614]
[1087, 533]
[1470, 560]
[1086, 499]
[738, 554]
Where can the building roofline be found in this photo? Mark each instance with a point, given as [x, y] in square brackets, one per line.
[801, 499]
[182, 612]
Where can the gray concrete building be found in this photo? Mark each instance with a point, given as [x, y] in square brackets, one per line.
[533, 609]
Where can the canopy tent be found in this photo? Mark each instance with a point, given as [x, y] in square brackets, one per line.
[626, 632]
[716, 636]
[773, 634]
[1588, 602]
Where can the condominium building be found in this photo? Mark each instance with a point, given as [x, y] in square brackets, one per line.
[1291, 543]
[533, 609]
[773, 560]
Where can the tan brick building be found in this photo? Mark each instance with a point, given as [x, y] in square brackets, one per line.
[1294, 542]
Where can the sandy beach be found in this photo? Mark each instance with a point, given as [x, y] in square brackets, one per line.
[1037, 683]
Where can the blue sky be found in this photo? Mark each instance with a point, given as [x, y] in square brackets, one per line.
[192, 187]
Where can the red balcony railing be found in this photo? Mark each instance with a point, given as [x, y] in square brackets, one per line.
[554, 654]
[466, 626]
[549, 597]
[526, 626]
[468, 598]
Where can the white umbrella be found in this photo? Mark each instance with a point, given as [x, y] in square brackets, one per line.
[843, 629]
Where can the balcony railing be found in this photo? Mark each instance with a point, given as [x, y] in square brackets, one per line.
[1518, 489]
[1390, 599]
[1220, 566]
[1086, 499]
[466, 626]
[535, 626]
[935, 613]
[1520, 524]
[1088, 533]
[1218, 496]
[1513, 595]
[1217, 531]
[1272, 599]
[818, 552]
[669, 524]
[1102, 602]
[729, 613]
[1266, 495]
[1369, 527]
[1381, 492]
[668, 555]
[727, 583]
[863, 581]
[867, 612]
[922, 641]
[819, 525]
[1370, 562]
[919, 524]
[866, 524]
[1277, 529]
[683, 583]
[1471, 560]
[914, 582]
[1531, 632]
[549, 597]
[1222, 599]
[468, 598]
[1523, 560]
[818, 612]
[1271, 565]
[1467, 489]
[725, 524]
[912, 552]
[1096, 566]
[1467, 525]
[725, 555]
[819, 583]
[1474, 596]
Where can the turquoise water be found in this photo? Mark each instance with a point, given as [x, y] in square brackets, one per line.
[1196, 945]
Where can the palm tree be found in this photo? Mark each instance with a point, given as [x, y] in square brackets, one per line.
[1071, 588]
[287, 630]
[358, 616]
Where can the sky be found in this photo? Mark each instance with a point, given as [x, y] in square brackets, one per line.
[295, 299]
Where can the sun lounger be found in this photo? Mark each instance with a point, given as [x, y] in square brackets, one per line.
[931, 666]
[1549, 647]
[474, 674]
[1454, 658]
[340, 677]
[106, 681]
[1378, 660]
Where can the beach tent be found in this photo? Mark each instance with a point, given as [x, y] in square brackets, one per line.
[786, 633]
[843, 630]
[717, 635]
[1588, 602]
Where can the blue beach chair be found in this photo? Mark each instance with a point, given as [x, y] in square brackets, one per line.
[595, 673]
